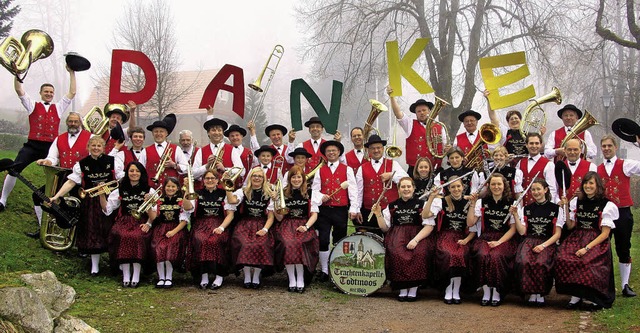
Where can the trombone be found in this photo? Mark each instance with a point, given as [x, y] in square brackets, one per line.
[276, 54]
[95, 191]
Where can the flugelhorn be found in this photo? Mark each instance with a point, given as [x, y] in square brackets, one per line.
[95, 191]
[376, 109]
[229, 178]
[17, 56]
[166, 156]
[95, 121]
[432, 136]
[276, 55]
[187, 187]
[148, 203]
[534, 117]
[489, 134]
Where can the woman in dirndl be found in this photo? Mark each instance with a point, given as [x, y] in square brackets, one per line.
[169, 241]
[252, 242]
[540, 224]
[406, 257]
[493, 252]
[92, 231]
[584, 267]
[423, 176]
[129, 238]
[209, 236]
[452, 239]
[297, 244]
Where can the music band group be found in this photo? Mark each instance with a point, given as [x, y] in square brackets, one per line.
[449, 222]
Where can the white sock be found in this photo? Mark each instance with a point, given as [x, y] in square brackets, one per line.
[126, 272]
[532, 298]
[292, 274]
[218, 280]
[168, 273]
[95, 263]
[457, 281]
[403, 292]
[205, 279]
[539, 298]
[299, 275]
[412, 292]
[160, 267]
[574, 300]
[495, 295]
[448, 293]
[625, 271]
[324, 261]
[256, 275]
[38, 210]
[247, 274]
[9, 183]
[486, 293]
[137, 267]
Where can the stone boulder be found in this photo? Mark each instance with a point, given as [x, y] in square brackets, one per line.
[22, 307]
[69, 324]
[57, 297]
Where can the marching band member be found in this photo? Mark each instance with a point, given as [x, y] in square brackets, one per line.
[536, 164]
[336, 204]
[423, 176]
[511, 137]
[356, 156]
[416, 131]
[471, 135]
[372, 178]
[252, 242]
[175, 164]
[455, 158]
[67, 149]
[578, 167]
[264, 159]
[169, 240]
[584, 268]
[186, 144]
[235, 134]
[209, 235]
[452, 239]
[93, 228]
[133, 153]
[312, 145]
[616, 174]
[541, 225]
[297, 245]
[44, 120]
[300, 156]
[406, 250]
[570, 115]
[117, 116]
[276, 133]
[217, 154]
[129, 238]
[513, 175]
[493, 252]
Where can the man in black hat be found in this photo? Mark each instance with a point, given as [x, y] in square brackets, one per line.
[316, 128]
[414, 125]
[333, 200]
[300, 157]
[276, 133]
[466, 140]
[570, 115]
[150, 157]
[236, 134]
[372, 177]
[264, 158]
[44, 120]
[118, 114]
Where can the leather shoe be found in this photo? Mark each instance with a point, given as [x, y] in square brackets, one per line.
[573, 306]
[412, 298]
[485, 302]
[247, 285]
[324, 277]
[457, 301]
[300, 290]
[126, 284]
[595, 307]
[255, 285]
[402, 298]
[496, 303]
[214, 286]
[628, 292]
[291, 289]
[34, 235]
[448, 301]
[134, 284]
[1, 207]
[203, 285]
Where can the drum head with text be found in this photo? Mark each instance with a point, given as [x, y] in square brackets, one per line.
[356, 264]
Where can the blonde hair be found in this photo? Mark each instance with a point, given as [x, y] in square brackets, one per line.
[266, 187]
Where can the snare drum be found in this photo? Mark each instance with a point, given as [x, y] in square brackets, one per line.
[356, 264]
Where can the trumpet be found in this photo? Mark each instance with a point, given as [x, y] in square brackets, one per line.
[95, 191]
[153, 198]
[187, 187]
[166, 155]
[279, 204]
[212, 164]
[392, 150]
[432, 137]
[229, 178]
[277, 53]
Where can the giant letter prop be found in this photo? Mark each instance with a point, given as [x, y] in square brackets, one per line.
[219, 83]
[399, 67]
[329, 119]
[150, 77]
[493, 83]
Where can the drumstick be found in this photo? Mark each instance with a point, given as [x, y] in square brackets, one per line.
[343, 186]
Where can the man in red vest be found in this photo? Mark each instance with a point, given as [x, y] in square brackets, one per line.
[312, 145]
[335, 203]
[578, 167]
[372, 177]
[356, 156]
[300, 157]
[616, 174]
[264, 158]
[150, 157]
[276, 133]
[217, 154]
[570, 115]
[415, 128]
[471, 135]
[133, 153]
[236, 134]
[537, 164]
[44, 120]
[118, 114]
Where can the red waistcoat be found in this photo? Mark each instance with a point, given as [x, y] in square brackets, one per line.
[618, 185]
[129, 156]
[527, 176]
[315, 157]
[352, 160]
[70, 155]
[331, 182]
[561, 133]
[43, 124]
[109, 142]
[576, 177]
[417, 145]
[373, 185]
[152, 163]
[226, 155]
[465, 145]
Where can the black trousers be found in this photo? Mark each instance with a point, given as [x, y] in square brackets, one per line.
[622, 234]
[31, 151]
[369, 226]
[329, 217]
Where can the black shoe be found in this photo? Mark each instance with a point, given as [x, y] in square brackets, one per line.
[531, 304]
[412, 298]
[94, 273]
[485, 302]
[134, 285]
[214, 286]
[291, 289]
[34, 235]
[255, 285]
[126, 284]
[1, 207]
[541, 304]
[457, 301]
[402, 298]
[496, 303]
[628, 292]
[203, 286]
[300, 290]
[168, 286]
[595, 307]
[324, 277]
[573, 306]
[247, 285]
[448, 301]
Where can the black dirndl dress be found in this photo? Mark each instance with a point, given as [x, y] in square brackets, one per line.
[208, 251]
[451, 259]
[169, 249]
[247, 248]
[127, 242]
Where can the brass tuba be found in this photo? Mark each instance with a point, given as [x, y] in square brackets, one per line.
[534, 118]
[229, 178]
[276, 54]
[145, 205]
[489, 134]
[17, 56]
[433, 138]
[166, 155]
[95, 121]
[52, 236]
[376, 109]
[585, 122]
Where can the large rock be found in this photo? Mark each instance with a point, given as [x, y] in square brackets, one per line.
[23, 308]
[57, 297]
[69, 324]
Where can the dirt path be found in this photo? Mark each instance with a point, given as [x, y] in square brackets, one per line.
[322, 309]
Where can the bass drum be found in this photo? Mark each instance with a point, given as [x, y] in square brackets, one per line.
[356, 264]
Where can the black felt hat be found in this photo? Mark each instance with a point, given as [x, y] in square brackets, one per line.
[326, 144]
[215, 122]
[117, 133]
[570, 107]
[469, 113]
[375, 139]
[626, 129]
[235, 128]
[313, 120]
[300, 151]
[264, 148]
[270, 128]
[168, 123]
[413, 106]
[76, 62]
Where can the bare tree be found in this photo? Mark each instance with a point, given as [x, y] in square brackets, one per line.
[617, 36]
[7, 14]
